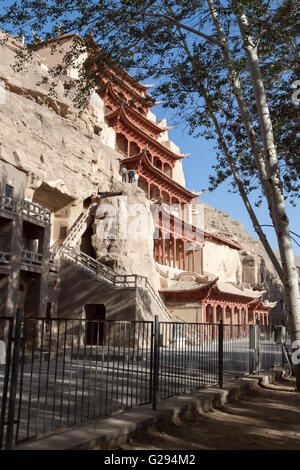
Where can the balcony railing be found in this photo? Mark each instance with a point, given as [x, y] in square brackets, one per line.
[31, 258]
[25, 207]
[4, 257]
[35, 210]
[8, 203]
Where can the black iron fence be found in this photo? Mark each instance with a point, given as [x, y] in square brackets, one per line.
[57, 373]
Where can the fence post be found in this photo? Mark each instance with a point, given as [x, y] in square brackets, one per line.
[221, 355]
[13, 381]
[6, 379]
[257, 346]
[155, 362]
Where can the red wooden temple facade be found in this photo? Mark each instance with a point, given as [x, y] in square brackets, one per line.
[176, 241]
[220, 301]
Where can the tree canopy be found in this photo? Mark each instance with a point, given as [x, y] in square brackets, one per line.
[175, 43]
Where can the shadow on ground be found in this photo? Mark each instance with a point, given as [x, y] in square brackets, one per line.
[267, 419]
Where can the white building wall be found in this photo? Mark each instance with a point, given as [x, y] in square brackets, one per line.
[222, 261]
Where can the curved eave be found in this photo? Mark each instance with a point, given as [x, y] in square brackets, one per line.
[134, 84]
[210, 292]
[142, 158]
[130, 83]
[155, 128]
[145, 100]
[259, 305]
[120, 113]
[189, 292]
[238, 297]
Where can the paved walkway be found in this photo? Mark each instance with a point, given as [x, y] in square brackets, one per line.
[264, 419]
[113, 432]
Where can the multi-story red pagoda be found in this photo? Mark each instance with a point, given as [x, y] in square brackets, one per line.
[138, 141]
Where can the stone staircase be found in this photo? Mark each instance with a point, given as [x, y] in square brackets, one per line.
[96, 269]
[77, 229]
[106, 275]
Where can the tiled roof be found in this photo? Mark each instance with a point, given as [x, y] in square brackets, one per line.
[183, 286]
[230, 288]
[225, 287]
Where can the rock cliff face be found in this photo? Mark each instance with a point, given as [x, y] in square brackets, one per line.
[46, 138]
[124, 229]
[65, 160]
[250, 266]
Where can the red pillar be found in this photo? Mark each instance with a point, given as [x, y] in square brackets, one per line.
[180, 254]
[128, 148]
[163, 250]
[263, 318]
[223, 307]
[174, 252]
[246, 319]
[159, 250]
[214, 318]
[170, 250]
[205, 333]
[149, 190]
[184, 256]
[194, 256]
[232, 320]
[240, 319]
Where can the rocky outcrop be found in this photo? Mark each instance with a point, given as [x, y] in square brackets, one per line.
[253, 264]
[124, 228]
[66, 162]
[45, 137]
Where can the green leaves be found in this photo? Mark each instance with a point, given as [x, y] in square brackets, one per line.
[173, 43]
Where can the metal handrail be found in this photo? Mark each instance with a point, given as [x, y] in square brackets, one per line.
[119, 280]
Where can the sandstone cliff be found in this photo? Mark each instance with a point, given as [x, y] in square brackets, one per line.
[64, 157]
[258, 271]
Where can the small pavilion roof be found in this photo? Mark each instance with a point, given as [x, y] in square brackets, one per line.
[212, 290]
[262, 305]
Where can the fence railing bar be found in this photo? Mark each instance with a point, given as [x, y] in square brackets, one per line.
[118, 365]
[13, 382]
[6, 376]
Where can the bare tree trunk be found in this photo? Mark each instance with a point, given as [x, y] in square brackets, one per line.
[203, 92]
[238, 92]
[278, 212]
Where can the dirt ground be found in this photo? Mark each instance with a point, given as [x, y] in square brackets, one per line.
[267, 418]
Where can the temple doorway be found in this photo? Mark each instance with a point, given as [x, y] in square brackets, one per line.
[95, 316]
